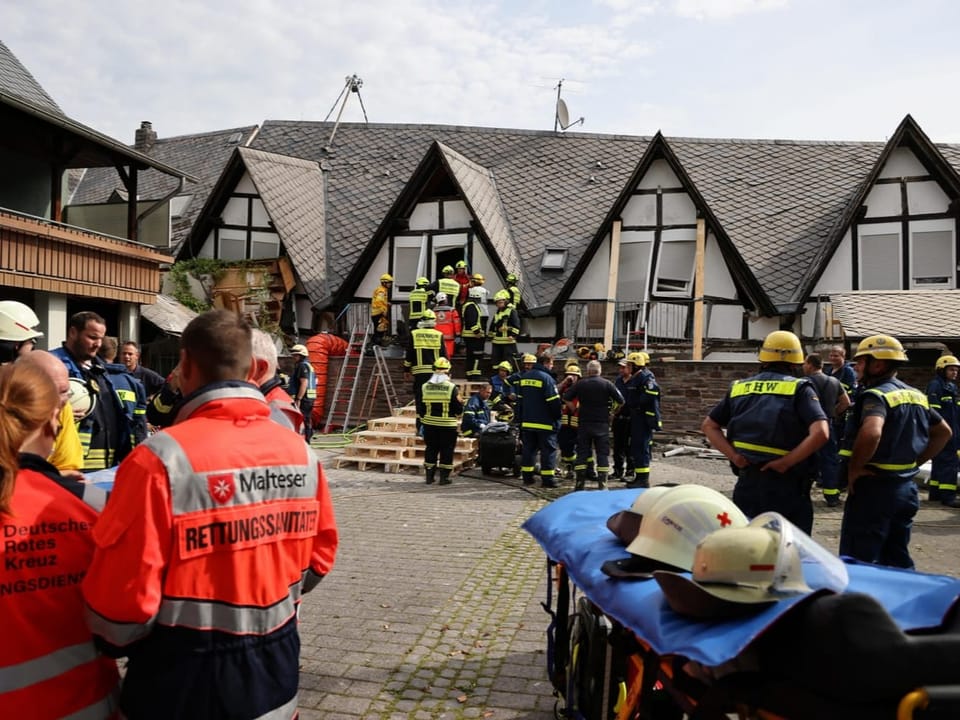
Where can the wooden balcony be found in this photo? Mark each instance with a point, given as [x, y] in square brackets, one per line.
[48, 257]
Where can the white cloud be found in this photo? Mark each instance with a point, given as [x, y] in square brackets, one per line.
[723, 9]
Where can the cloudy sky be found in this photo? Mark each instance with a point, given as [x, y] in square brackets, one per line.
[804, 69]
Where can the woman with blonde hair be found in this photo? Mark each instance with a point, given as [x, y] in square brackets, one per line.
[49, 666]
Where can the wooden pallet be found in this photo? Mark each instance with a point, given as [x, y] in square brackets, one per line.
[409, 465]
[398, 423]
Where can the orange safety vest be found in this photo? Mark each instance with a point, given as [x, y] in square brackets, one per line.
[49, 666]
[215, 529]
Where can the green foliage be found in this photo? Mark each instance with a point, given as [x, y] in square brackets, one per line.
[182, 270]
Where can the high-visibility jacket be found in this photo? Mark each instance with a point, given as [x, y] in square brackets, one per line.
[506, 326]
[448, 323]
[515, 296]
[380, 302]
[906, 428]
[538, 400]
[304, 369]
[214, 530]
[107, 434]
[441, 403]
[49, 665]
[426, 345]
[418, 303]
[450, 287]
[282, 407]
[67, 451]
[768, 415]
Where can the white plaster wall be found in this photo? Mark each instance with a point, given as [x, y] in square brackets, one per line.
[541, 327]
[658, 174]
[640, 210]
[716, 276]
[902, 163]
[592, 284]
[883, 201]
[926, 197]
[372, 278]
[838, 275]
[678, 209]
[425, 216]
[51, 310]
[725, 321]
[456, 214]
[759, 328]
[246, 185]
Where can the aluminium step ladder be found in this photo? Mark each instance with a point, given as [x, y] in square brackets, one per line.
[348, 380]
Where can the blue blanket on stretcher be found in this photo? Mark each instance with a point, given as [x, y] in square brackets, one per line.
[572, 530]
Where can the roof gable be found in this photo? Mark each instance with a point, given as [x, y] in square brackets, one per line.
[16, 80]
[292, 193]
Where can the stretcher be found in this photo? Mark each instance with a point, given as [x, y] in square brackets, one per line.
[887, 647]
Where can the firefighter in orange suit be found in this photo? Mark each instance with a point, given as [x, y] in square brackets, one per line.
[49, 665]
[214, 530]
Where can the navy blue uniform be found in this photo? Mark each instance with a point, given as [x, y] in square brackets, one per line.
[942, 397]
[476, 416]
[596, 397]
[539, 406]
[766, 416]
[620, 430]
[643, 399]
[878, 516]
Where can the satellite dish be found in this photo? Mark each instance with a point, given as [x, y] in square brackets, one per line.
[563, 114]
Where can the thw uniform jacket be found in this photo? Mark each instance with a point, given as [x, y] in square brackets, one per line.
[214, 530]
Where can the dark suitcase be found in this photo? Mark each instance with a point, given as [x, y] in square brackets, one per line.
[498, 448]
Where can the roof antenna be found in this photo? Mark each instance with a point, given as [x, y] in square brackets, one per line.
[561, 118]
[353, 84]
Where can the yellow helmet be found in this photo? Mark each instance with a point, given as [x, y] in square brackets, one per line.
[505, 366]
[528, 358]
[461, 265]
[583, 351]
[441, 363]
[386, 277]
[946, 361]
[637, 358]
[478, 278]
[781, 346]
[422, 282]
[501, 295]
[573, 370]
[881, 347]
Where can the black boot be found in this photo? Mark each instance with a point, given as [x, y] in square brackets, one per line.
[431, 474]
[601, 481]
[581, 480]
[548, 481]
[444, 477]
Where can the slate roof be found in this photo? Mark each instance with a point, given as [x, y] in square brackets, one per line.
[552, 191]
[202, 155]
[913, 315]
[292, 193]
[16, 80]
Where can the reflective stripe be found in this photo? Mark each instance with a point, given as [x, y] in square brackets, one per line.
[235, 619]
[886, 466]
[902, 396]
[536, 426]
[759, 448]
[30, 672]
[764, 387]
[530, 382]
[235, 391]
[191, 491]
[126, 395]
[845, 453]
[284, 712]
[116, 633]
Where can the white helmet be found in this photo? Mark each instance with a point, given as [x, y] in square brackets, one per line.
[82, 401]
[626, 523]
[441, 298]
[741, 569]
[476, 292]
[17, 322]
[674, 526]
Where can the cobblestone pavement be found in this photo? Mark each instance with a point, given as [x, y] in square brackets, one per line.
[433, 608]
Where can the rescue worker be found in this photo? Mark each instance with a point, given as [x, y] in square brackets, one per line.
[418, 301]
[834, 401]
[774, 425]
[132, 395]
[265, 376]
[380, 309]
[620, 425]
[130, 357]
[504, 329]
[446, 284]
[476, 413]
[539, 408]
[440, 400]
[513, 289]
[891, 431]
[503, 391]
[107, 433]
[303, 387]
[481, 295]
[49, 664]
[843, 371]
[473, 333]
[596, 398]
[18, 333]
[569, 422]
[448, 323]
[643, 397]
[463, 278]
[426, 345]
[942, 397]
[215, 529]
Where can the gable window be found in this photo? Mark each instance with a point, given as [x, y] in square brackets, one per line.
[675, 266]
[931, 255]
[554, 259]
[929, 259]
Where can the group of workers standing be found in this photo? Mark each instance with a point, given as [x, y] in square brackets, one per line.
[193, 565]
[860, 429]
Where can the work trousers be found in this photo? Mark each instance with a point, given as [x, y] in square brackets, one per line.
[440, 442]
[594, 439]
[542, 443]
[500, 352]
[878, 519]
[828, 462]
[306, 407]
[641, 436]
[567, 442]
[943, 473]
[474, 350]
[759, 491]
[621, 444]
